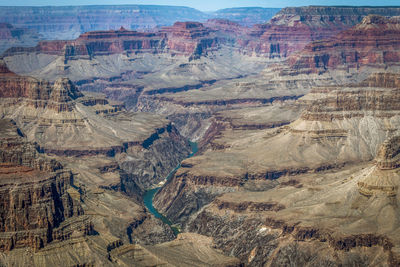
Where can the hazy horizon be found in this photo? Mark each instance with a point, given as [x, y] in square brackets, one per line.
[204, 5]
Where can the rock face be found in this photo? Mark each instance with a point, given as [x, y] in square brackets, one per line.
[234, 191]
[61, 112]
[373, 42]
[65, 23]
[11, 37]
[69, 22]
[383, 179]
[37, 208]
[191, 38]
[183, 38]
[293, 28]
[114, 156]
[57, 97]
[246, 16]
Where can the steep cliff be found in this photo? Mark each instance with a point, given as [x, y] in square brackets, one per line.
[372, 43]
[69, 22]
[246, 16]
[37, 207]
[292, 29]
[11, 36]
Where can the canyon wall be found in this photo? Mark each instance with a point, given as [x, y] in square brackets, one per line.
[70, 22]
[291, 29]
[37, 208]
[373, 42]
[11, 36]
[65, 23]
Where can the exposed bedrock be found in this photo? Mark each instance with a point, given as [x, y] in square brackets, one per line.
[11, 36]
[216, 171]
[68, 22]
[341, 126]
[37, 207]
[183, 38]
[152, 164]
[68, 123]
[258, 241]
[292, 28]
[373, 42]
[288, 223]
[113, 156]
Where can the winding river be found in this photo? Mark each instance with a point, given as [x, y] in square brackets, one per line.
[149, 195]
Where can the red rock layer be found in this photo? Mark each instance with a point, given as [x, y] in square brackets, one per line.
[375, 41]
[190, 38]
[185, 38]
[57, 96]
[33, 193]
[293, 28]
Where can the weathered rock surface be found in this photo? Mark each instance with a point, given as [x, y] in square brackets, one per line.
[113, 154]
[69, 22]
[293, 28]
[246, 16]
[65, 23]
[373, 42]
[155, 72]
[183, 38]
[11, 36]
[37, 207]
[280, 186]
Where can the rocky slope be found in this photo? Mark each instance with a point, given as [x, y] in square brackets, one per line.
[182, 38]
[246, 16]
[69, 22]
[37, 206]
[279, 175]
[11, 36]
[113, 156]
[64, 23]
[163, 71]
[291, 29]
[281, 185]
[374, 42]
[64, 122]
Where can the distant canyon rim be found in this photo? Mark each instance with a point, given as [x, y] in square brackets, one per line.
[295, 113]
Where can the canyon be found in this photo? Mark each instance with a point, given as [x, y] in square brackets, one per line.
[68, 22]
[296, 121]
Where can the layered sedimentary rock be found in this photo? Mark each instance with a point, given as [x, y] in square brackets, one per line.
[293, 28]
[309, 207]
[384, 178]
[185, 38]
[246, 16]
[114, 155]
[275, 174]
[11, 36]
[372, 43]
[67, 123]
[69, 22]
[37, 207]
[191, 38]
[221, 168]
